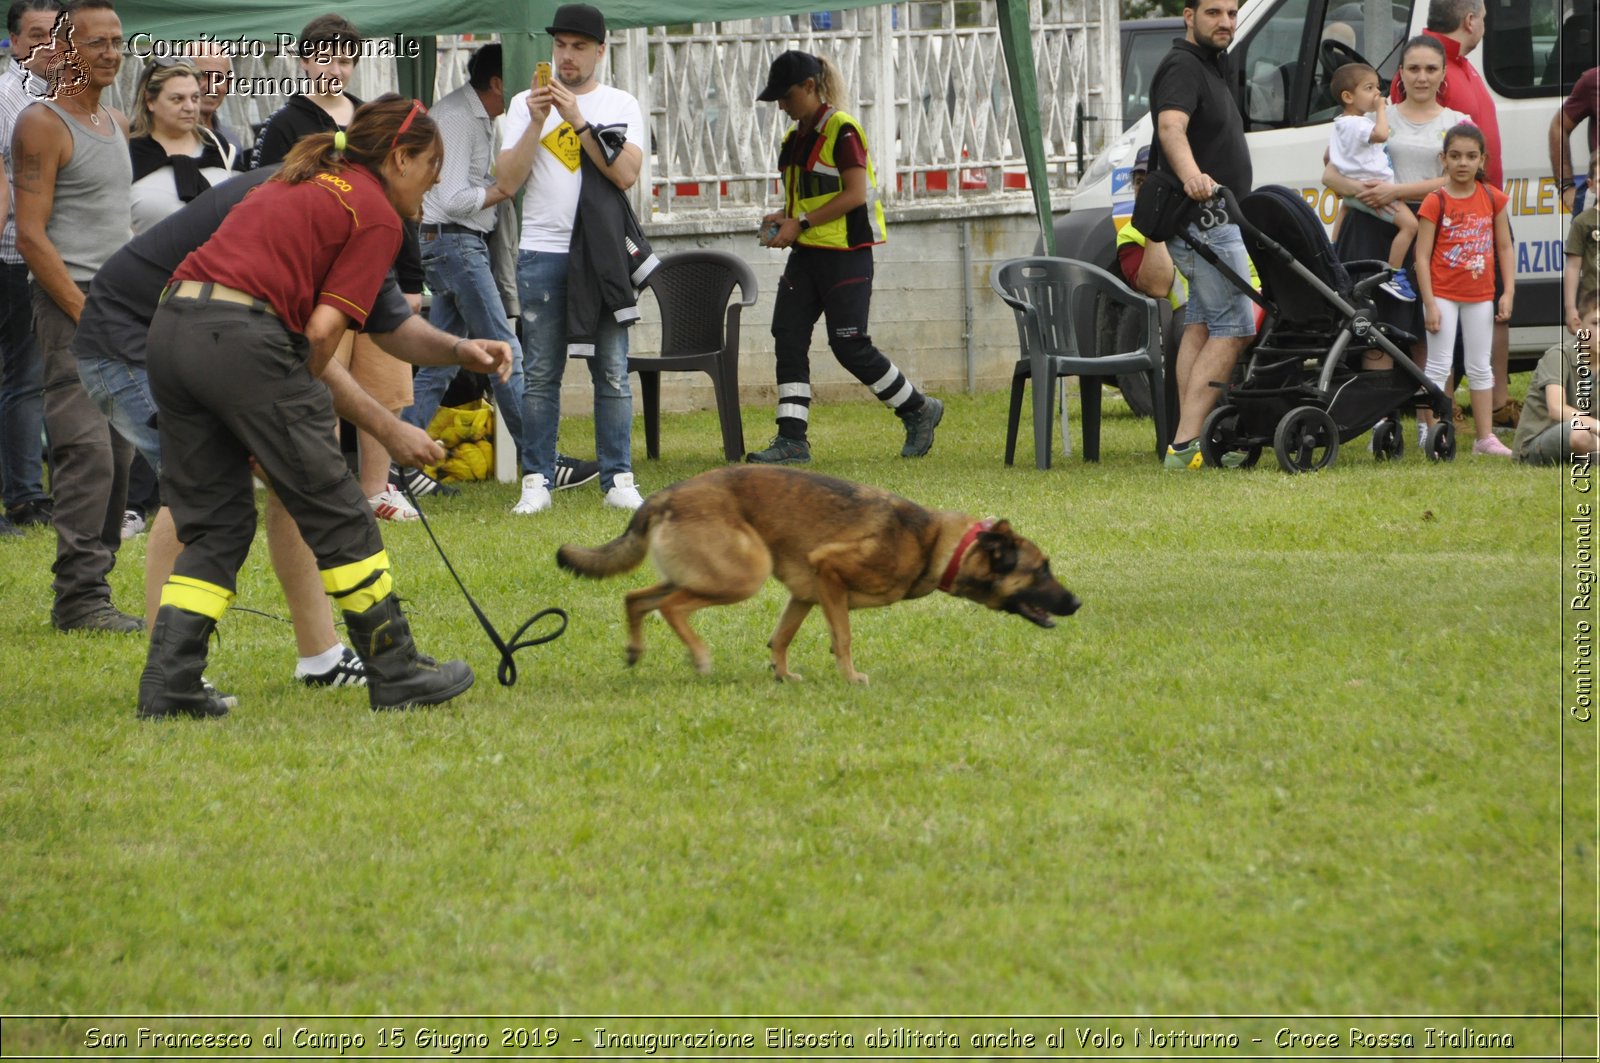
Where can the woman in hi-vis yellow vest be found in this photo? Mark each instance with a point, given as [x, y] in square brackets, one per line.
[831, 217]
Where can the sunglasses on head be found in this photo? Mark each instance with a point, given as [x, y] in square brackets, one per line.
[411, 116]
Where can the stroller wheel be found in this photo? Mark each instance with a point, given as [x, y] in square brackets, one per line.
[1307, 439]
[1441, 444]
[1388, 441]
[1219, 441]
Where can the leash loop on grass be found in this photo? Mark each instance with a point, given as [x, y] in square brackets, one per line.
[507, 670]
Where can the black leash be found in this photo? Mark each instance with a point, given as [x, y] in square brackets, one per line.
[507, 671]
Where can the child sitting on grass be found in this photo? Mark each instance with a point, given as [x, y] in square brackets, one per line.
[1558, 414]
[1355, 149]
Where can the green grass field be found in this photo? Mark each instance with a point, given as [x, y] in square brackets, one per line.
[1300, 752]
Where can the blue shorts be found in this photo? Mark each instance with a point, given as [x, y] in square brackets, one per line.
[1213, 299]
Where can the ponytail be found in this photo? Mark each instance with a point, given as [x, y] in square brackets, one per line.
[830, 85]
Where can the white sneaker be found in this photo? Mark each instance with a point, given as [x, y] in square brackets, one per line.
[623, 495]
[535, 495]
[132, 523]
[390, 504]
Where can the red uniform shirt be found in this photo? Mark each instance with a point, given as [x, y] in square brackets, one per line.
[1463, 90]
[1584, 104]
[328, 241]
[1463, 265]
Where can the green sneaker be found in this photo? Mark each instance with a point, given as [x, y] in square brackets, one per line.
[1233, 459]
[1187, 458]
[782, 451]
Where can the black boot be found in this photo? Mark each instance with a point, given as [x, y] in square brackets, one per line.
[171, 684]
[398, 677]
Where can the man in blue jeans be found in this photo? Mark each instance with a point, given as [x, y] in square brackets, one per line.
[549, 130]
[458, 214]
[29, 23]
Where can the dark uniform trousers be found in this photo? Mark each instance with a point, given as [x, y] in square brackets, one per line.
[231, 382]
[835, 285]
[88, 471]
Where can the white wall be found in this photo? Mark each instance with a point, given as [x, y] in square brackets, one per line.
[918, 310]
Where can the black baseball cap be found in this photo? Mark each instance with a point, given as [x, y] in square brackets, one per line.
[578, 18]
[1141, 161]
[788, 70]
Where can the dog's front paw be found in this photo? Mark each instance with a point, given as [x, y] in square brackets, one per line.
[633, 655]
[786, 676]
[859, 679]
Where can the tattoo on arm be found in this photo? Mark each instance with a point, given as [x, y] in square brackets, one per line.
[30, 173]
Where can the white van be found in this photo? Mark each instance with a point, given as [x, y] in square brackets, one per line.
[1529, 59]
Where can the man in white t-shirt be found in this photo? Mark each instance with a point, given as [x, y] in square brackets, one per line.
[548, 130]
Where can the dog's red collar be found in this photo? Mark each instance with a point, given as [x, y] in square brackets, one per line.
[948, 580]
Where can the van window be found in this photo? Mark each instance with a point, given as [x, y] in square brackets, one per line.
[1357, 31]
[1144, 53]
[1268, 63]
[1280, 88]
[1527, 53]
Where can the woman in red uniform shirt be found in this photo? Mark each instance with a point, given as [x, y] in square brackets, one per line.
[248, 323]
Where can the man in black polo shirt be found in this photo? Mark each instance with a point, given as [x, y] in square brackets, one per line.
[1200, 140]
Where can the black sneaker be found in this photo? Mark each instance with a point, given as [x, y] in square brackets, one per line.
[571, 472]
[420, 483]
[9, 530]
[103, 617]
[40, 513]
[920, 426]
[782, 451]
[349, 672]
[227, 701]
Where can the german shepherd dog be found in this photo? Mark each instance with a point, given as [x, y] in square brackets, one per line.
[717, 537]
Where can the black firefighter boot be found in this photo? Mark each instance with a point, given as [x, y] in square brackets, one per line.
[171, 684]
[398, 677]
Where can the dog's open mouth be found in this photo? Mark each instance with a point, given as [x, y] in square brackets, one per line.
[1030, 613]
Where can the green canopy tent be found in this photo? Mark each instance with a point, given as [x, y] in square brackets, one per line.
[521, 24]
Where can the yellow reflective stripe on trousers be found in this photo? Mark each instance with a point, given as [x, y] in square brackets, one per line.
[196, 596]
[360, 585]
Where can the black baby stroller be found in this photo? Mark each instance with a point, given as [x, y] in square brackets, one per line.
[1302, 391]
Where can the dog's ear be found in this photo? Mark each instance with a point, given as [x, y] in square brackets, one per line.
[999, 545]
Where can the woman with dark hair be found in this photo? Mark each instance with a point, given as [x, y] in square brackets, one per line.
[1417, 125]
[247, 324]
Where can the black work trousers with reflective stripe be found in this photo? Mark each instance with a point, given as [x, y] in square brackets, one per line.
[231, 383]
[835, 285]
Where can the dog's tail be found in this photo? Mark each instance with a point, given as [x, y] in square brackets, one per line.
[621, 554]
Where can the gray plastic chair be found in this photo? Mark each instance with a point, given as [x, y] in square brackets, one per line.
[699, 334]
[1055, 301]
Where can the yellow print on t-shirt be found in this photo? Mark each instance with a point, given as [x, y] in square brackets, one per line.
[564, 145]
